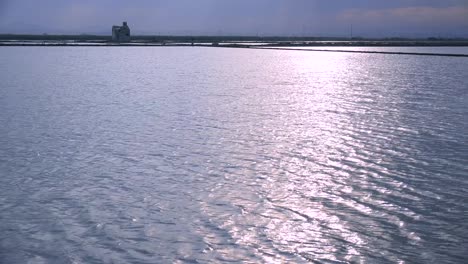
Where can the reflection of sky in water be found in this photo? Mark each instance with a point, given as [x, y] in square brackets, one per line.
[323, 169]
[442, 50]
[190, 154]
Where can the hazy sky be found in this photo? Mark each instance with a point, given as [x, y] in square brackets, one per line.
[240, 17]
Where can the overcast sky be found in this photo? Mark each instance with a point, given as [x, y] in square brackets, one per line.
[239, 17]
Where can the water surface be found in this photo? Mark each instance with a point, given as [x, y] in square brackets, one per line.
[186, 155]
[437, 50]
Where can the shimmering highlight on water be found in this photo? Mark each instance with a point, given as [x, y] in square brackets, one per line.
[160, 155]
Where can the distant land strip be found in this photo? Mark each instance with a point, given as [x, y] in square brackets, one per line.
[277, 40]
[227, 38]
[292, 44]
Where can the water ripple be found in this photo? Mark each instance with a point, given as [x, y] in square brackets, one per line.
[191, 155]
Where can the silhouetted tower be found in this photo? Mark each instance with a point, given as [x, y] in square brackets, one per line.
[121, 33]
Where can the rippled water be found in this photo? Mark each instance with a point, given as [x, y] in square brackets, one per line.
[185, 155]
[438, 50]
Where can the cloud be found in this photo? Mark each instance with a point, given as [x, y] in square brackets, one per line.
[411, 16]
[3, 7]
[266, 17]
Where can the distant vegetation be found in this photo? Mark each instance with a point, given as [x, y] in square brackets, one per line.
[147, 38]
[232, 41]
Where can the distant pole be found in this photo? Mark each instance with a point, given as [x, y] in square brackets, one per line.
[351, 31]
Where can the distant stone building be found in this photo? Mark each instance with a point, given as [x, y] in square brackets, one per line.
[121, 33]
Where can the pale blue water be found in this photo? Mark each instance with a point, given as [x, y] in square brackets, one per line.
[200, 155]
[439, 50]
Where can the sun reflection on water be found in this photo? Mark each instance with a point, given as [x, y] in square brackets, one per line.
[305, 200]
